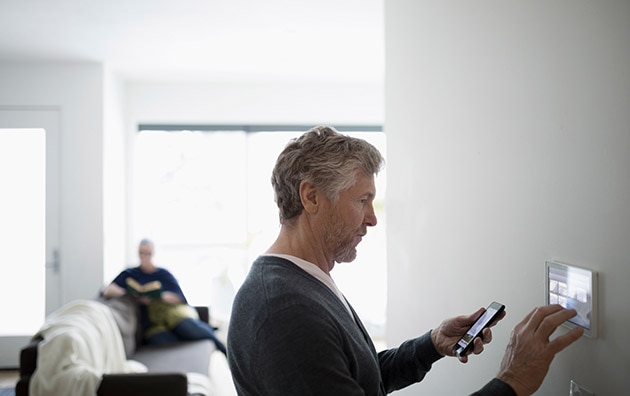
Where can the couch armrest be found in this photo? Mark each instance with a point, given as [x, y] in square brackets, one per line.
[21, 387]
[204, 313]
[28, 357]
[144, 384]
[28, 364]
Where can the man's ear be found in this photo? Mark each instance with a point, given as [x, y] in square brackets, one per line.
[308, 196]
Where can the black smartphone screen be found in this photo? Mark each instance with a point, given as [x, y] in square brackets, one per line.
[465, 343]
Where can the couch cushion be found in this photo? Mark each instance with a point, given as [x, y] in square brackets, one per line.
[185, 356]
[125, 311]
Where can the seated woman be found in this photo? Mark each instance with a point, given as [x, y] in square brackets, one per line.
[165, 312]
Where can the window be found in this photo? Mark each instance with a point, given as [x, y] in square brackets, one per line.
[205, 198]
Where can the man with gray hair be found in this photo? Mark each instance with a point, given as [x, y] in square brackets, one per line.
[292, 332]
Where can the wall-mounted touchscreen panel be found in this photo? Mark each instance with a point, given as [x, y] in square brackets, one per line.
[573, 287]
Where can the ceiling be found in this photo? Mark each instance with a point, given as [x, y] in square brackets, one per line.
[253, 40]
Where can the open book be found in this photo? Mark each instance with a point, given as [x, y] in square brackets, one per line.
[150, 289]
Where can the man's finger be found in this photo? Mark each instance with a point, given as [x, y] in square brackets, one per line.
[536, 316]
[486, 336]
[477, 346]
[550, 323]
[472, 318]
[563, 341]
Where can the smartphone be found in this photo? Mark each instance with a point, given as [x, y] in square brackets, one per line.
[465, 343]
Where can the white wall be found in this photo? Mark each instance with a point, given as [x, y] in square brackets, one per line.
[77, 90]
[114, 176]
[254, 102]
[508, 129]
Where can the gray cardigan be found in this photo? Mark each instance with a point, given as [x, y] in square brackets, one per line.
[289, 334]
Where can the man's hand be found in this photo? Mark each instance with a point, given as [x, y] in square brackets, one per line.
[446, 335]
[530, 352]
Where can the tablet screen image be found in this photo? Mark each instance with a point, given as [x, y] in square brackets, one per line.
[573, 287]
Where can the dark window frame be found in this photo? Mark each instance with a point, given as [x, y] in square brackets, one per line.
[251, 128]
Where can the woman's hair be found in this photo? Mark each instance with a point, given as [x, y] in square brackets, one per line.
[327, 159]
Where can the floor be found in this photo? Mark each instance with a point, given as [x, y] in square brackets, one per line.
[8, 378]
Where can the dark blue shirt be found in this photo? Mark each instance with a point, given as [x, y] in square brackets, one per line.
[168, 281]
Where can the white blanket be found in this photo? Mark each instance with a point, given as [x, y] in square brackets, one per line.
[81, 343]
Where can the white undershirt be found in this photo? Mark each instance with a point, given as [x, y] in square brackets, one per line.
[318, 274]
